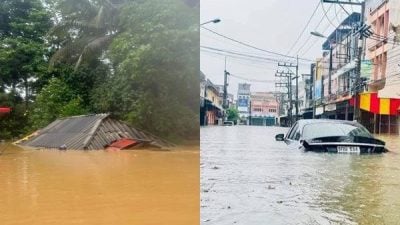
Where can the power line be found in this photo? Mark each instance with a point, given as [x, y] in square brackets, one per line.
[252, 46]
[241, 54]
[305, 27]
[326, 16]
[309, 37]
[237, 56]
[345, 9]
[252, 80]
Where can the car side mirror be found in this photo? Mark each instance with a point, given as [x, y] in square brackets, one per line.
[279, 137]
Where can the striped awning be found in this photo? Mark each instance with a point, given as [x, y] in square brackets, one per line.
[372, 103]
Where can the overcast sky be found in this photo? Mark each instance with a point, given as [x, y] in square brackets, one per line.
[272, 25]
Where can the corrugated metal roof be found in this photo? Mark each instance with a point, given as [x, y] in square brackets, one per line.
[89, 132]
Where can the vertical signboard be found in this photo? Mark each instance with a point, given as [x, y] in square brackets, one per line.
[318, 89]
[366, 68]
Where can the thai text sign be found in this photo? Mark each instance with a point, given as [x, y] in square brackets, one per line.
[366, 68]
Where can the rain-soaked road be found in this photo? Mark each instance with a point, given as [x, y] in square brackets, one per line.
[249, 178]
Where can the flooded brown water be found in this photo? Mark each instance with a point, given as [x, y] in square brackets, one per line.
[99, 187]
[247, 178]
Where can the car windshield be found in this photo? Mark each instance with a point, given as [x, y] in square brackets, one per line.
[318, 130]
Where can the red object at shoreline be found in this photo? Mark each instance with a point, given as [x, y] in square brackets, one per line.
[5, 110]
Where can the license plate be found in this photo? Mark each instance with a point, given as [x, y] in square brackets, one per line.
[348, 149]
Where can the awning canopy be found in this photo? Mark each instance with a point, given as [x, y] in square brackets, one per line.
[372, 103]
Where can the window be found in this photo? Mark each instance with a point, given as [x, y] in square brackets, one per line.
[292, 132]
[318, 130]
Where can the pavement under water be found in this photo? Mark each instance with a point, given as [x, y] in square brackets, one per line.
[249, 178]
[99, 187]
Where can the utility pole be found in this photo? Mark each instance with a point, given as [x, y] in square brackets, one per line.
[330, 69]
[224, 103]
[290, 73]
[297, 87]
[313, 71]
[288, 85]
[225, 96]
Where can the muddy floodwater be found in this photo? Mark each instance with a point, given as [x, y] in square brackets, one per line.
[249, 178]
[98, 187]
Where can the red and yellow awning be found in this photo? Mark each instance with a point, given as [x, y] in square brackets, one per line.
[371, 103]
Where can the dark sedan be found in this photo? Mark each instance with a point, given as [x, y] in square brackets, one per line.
[339, 136]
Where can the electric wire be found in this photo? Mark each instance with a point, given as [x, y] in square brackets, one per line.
[309, 37]
[252, 46]
[304, 29]
[251, 80]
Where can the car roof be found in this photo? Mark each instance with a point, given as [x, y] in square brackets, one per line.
[304, 122]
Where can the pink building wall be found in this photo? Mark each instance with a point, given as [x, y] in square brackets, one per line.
[376, 50]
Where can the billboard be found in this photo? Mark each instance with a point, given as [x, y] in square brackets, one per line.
[243, 102]
[318, 89]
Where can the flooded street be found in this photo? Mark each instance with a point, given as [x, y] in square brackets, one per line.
[98, 187]
[249, 178]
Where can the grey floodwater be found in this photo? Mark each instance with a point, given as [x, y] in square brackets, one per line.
[249, 178]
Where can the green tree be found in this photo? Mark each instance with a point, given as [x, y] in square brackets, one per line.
[55, 100]
[232, 114]
[23, 25]
[83, 30]
[156, 64]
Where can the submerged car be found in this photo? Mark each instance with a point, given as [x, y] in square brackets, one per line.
[228, 123]
[323, 135]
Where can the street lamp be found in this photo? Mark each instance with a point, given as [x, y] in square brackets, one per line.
[217, 20]
[317, 34]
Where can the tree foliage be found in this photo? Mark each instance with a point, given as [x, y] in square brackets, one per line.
[56, 100]
[23, 25]
[135, 59]
[232, 114]
[156, 63]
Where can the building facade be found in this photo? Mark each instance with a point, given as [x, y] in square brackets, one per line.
[211, 112]
[334, 72]
[377, 102]
[379, 105]
[263, 109]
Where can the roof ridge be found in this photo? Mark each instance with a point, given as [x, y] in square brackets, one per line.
[85, 115]
[94, 130]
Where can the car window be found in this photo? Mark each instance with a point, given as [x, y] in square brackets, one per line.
[292, 133]
[297, 134]
[317, 130]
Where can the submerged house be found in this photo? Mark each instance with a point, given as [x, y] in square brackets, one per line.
[90, 132]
